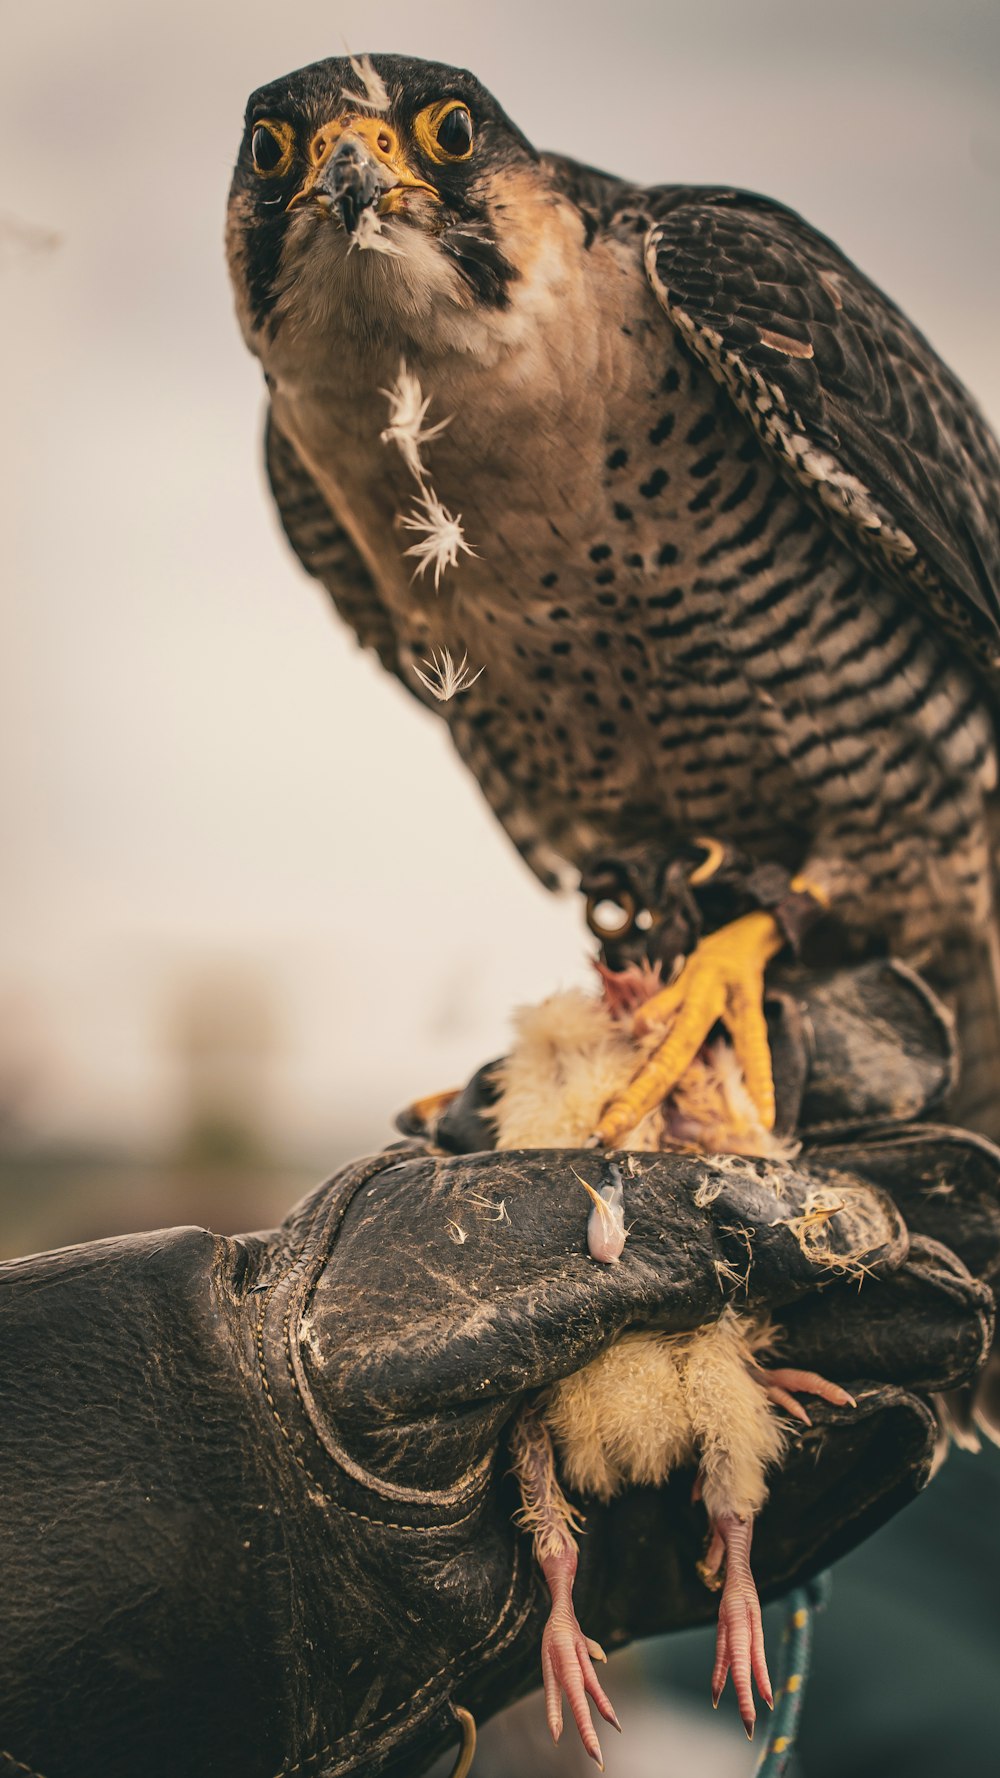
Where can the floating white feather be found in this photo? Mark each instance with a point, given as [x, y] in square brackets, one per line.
[370, 237]
[407, 412]
[443, 538]
[375, 95]
[443, 679]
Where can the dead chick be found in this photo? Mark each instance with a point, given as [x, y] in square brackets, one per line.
[653, 1402]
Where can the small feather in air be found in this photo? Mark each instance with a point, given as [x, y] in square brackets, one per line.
[370, 237]
[407, 411]
[443, 537]
[443, 679]
[374, 95]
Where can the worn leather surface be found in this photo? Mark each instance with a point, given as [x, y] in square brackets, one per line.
[255, 1501]
[880, 1045]
[140, 1535]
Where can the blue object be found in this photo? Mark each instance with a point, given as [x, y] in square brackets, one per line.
[796, 1654]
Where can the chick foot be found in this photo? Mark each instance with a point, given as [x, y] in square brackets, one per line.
[739, 1642]
[568, 1655]
[568, 1658]
[782, 1386]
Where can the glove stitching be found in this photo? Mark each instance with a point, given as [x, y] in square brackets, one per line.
[476, 1481]
[366, 1519]
[513, 1631]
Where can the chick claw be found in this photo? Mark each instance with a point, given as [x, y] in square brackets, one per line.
[739, 1642]
[782, 1386]
[722, 979]
[568, 1658]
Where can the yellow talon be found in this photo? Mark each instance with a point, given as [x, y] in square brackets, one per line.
[808, 886]
[715, 852]
[722, 979]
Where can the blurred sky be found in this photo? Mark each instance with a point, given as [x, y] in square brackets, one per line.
[206, 790]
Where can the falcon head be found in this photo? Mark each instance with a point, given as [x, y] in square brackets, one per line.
[380, 195]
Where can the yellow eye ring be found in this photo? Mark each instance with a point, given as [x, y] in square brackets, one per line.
[267, 136]
[427, 127]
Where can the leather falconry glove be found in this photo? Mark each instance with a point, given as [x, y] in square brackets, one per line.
[257, 1509]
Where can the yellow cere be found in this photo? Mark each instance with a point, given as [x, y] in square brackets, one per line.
[383, 143]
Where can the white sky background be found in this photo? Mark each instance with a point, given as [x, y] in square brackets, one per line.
[199, 770]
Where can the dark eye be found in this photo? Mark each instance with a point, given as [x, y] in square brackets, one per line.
[269, 150]
[454, 133]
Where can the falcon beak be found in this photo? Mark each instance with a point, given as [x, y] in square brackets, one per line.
[357, 164]
[352, 181]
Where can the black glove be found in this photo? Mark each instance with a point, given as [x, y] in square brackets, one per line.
[257, 1511]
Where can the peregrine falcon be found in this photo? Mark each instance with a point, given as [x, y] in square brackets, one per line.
[672, 514]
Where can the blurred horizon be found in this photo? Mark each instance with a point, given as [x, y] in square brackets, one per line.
[252, 902]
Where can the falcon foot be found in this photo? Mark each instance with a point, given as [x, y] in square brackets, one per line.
[722, 979]
[782, 1386]
[739, 1642]
[568, 1655]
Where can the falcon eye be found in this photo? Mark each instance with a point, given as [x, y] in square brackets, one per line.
[271, 147]
[444, 131]
[454, 133]
[608, 918]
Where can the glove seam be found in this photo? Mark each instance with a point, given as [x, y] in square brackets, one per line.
[513, 1630]
[308, 1254]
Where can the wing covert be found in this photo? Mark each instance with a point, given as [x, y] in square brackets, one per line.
[848, 395]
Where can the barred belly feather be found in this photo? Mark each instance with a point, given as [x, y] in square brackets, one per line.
[719, 660]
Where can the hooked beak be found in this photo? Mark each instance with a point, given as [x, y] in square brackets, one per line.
[352, 181]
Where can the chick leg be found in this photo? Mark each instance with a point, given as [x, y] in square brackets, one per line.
[781, 1387]
[739, 1642]
[567, 1654]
